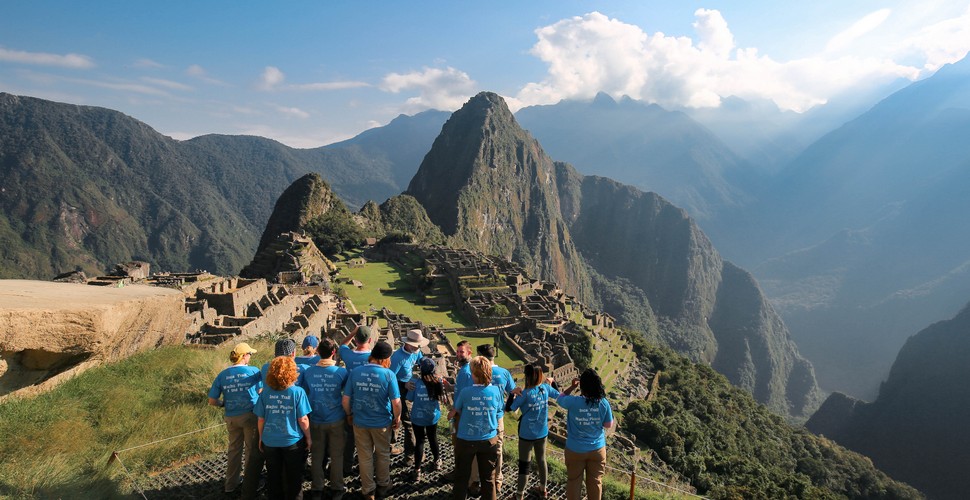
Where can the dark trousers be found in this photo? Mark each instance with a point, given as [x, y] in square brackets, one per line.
[350, 446]
[420, 432]
[284, 470]
[486, 452]
[405, 420]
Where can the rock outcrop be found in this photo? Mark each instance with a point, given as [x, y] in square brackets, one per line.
[50, 331]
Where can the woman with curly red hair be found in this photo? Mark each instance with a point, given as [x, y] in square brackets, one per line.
[284, 429]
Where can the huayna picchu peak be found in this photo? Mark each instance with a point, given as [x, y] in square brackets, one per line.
[490, 187]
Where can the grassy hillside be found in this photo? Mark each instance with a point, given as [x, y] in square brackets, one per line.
[57, 445]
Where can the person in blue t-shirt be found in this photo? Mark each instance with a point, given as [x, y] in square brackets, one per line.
[324, 384]
[372, 403]
[309, 346]
[285, 347]
[239, 386]
[284, 429]
[533, 401]
[402, 364]
[426, 399]
[477, 409]
[362, 338]
[502, 379]
[587, 418]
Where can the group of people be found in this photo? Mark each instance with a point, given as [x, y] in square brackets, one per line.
[309, 404]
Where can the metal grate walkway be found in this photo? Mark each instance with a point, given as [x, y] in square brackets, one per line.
[203, 480]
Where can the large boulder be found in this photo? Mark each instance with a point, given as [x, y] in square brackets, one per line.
[51, 331]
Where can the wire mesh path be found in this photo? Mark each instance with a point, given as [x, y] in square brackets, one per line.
[204, 480]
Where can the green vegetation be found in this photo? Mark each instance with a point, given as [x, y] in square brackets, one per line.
[582, 352]
[58, 444]
[497, 311]
[335, 231]
[729, 446]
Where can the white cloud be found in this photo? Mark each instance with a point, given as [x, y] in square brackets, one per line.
[444, 89]
[858, 29]
[271, 77]
[940, 43]
[147, 64]
[713, 32]
[295, 112]
[75, 61]
[199, 73]
[169, 84]
[592, 53]
[326, 86]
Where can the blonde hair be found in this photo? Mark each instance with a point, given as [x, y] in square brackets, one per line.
[234, 357]
[481, 368]
[282, 373]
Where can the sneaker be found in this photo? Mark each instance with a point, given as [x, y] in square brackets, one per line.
[435, 465]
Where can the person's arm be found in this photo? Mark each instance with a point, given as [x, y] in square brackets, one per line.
[260, 423]
[569, 390]
[216, 402]
[346, 404]
[304, 422]
[348, 338]
[396, 410]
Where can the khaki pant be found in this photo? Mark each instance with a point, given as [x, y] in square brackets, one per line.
[243, 433]
[373, 457]
[591, 464]
[328, 442]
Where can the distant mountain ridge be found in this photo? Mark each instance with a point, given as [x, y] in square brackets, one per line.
[642, 145]
[115, 190]
[490, 187]
[864, 238]
[916, 429]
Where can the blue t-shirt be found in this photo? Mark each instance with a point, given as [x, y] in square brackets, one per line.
[463, 379]
[534, 403]
[299, 371]
[307, 360]
[402, 363]
[479, 406]
[239, 387]
[425, 411]
[502, 379]
[584, 423]
[371, 388]
[281, 410]
[324, 386]
[352, 359]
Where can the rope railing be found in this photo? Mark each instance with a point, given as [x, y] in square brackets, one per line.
[116, 455]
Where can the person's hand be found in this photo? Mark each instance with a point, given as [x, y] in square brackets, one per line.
[575, 383]
[517, 391]
[451, 413]
[309, 442]
[350, 420]
[445, 382]
[410, 385]
[396, 424]
[550, 380]
[261, 445]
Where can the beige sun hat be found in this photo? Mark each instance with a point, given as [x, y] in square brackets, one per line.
[416, 339]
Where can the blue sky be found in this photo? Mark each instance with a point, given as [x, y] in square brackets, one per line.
[311, 73]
